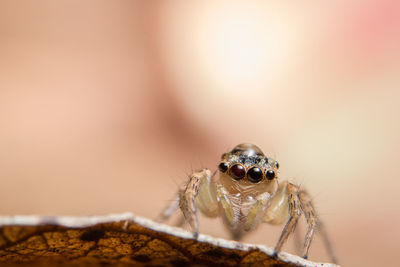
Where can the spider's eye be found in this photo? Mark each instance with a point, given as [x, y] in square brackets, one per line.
[223, 166]
[277, 164]
[237, 172]
[254, 175]
[270, 174]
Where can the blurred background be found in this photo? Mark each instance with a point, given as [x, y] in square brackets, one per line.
[106, 106]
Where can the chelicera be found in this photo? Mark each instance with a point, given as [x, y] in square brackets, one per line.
[245, 193]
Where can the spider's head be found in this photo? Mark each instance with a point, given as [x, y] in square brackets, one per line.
[247, 162]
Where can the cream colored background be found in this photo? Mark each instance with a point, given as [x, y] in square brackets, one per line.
[106, 105]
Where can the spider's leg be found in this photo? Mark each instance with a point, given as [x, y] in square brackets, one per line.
[187, 198]
[314, 224]
[327, 243]
[294, 214]
[180, 222]
[311, 218]
[169, 209]
[298, 241]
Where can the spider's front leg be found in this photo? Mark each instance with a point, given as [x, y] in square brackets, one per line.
[294, 214]
[300, 202]
[314, 224]
[311, 218]
[199, 192]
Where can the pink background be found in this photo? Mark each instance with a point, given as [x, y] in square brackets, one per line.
[105, 106]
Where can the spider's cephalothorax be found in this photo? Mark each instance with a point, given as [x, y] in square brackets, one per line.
[245, 194]
[248, 162]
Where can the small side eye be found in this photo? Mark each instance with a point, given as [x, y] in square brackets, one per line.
[237, 172]
[254, 175]
[223, 166]
[270, 174]
[276, 164]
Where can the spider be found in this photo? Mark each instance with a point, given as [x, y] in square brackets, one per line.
[246, 194]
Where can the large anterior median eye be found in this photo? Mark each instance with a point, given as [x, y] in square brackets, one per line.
[254, 175]
[237, 172]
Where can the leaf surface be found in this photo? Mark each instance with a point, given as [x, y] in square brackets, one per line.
[125, 239]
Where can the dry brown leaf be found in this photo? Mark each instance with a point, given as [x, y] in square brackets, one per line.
[100, 240]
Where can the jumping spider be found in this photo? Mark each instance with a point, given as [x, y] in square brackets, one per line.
[246, 194]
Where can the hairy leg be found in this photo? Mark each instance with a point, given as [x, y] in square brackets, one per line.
[169, 209]
[327, 243]
[298, 241]
[311, 217]
[180, 222]
[314, 224]
[187, 198]
[294, 214]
